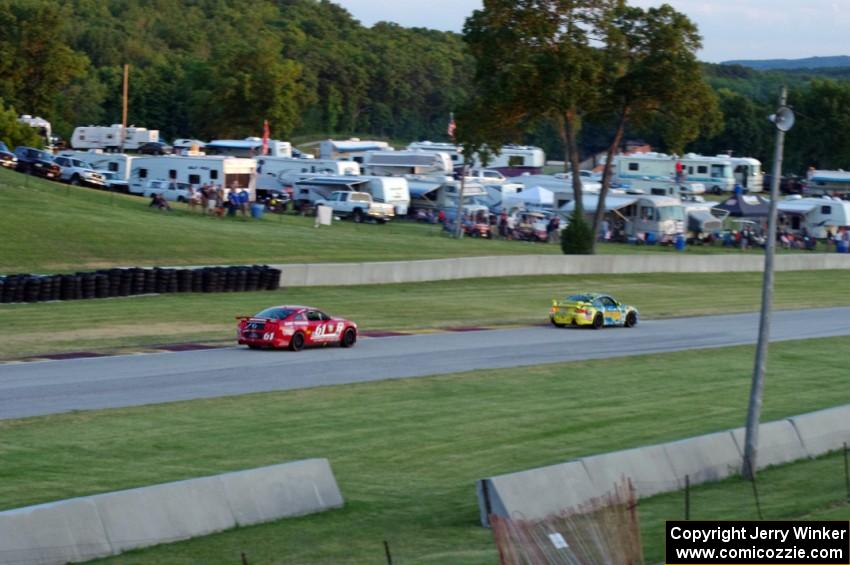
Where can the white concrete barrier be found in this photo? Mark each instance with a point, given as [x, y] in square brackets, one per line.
[778, 443]
[823, 431]
[536, 493]
[347, 274]
[85, 528]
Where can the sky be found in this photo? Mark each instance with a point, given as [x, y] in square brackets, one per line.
[731, 29]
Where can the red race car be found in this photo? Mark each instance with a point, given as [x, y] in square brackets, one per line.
[294, 327]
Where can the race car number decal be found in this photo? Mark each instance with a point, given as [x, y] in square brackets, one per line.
[327, 331]
[268, 336]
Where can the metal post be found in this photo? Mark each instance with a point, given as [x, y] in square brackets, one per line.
[754, 412]
[124, 110]
[756, 497]
[459, 213]
[687, 497]
[846, 471]
[387, 551]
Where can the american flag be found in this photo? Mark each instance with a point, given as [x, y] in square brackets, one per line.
[452, 126]
[266, 136]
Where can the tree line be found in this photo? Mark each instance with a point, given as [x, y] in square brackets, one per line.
[218, 68]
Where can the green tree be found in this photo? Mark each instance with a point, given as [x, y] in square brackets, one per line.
[652, 78]
[14, 133]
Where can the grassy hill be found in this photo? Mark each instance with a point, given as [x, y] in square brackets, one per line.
[787, 64]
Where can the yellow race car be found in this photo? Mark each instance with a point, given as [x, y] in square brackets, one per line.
[592, 309]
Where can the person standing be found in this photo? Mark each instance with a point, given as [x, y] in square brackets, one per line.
[244, 197]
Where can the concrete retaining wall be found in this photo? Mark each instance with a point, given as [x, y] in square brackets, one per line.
[347, 274]
[653, 469]
[85, 528]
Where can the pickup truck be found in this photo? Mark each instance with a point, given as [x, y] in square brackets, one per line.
[357, 205]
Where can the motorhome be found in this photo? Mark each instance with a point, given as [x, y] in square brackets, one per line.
[118, 163]
[748, 173]
[715, 174]
[228, 172]
[437, 194]
[514, 160]
[828, 183]
[277, 173]
[389, 190]
[112, 138]
[453, 151]
[248, 147]
[412, 162]
[815, 215]
[352, 149]
[638, 216]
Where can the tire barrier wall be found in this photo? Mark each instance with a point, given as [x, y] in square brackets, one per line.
[343, 274]
[653, 469]
[86, 528]
[125, 282]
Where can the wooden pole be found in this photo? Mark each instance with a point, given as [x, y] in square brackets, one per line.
[124, 112]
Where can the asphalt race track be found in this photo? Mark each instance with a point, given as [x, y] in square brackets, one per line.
[48, 387]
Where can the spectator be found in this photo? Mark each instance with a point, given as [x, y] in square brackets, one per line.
[244, 199]
[233, 203]
[503, 225]
[159, 202]
[441, 217]
[511, 226]
[192, 197]
[604, 229]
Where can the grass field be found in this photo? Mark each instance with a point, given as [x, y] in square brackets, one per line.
[50, 227]
[145, 320]
[407, 453]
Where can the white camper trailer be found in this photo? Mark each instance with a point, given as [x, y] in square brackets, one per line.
[823, 182]
[514, 160]
[42, 126]
[816, 215]
[249, 147]
[118, 163]
[450, 149]
[748, 173]
[398, 163]
[278, 173]
[352, 149]
[228, 172]
[112, 138]
[388, 190]
[638, 216]
[435, 193]
[714, 174]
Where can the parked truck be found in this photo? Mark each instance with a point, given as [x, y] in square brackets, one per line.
[359, 206]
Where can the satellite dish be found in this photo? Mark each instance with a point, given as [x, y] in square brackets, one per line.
[783, 119]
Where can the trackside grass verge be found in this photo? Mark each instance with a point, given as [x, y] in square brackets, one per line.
[50, 227]
[31, 329]
[407, 453]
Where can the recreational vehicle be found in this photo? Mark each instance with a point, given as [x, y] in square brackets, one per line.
[400, 163]
[276, 173]
[388, 190]
[747, 172]
[112, 138]
[713, 173]
[438, 194]
[43, 128]
[561, 185]
[642, 217]
[514, 160]
[228, 172]
[450, 149]
[248, 147]
[828, 183]
[815, 215]
[352, 149]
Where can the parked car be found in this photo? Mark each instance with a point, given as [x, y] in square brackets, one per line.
[359, 206]
[294, 327]
[592, 309]
[77, 172]
[178, 191]
[36, 162]
[7, 158]
[114, 181]
[155, 148]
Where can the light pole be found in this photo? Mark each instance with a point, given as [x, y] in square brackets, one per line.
[783, 119]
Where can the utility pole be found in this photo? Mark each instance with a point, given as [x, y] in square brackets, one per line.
[124, 111]
[783, 120]
[459, 214]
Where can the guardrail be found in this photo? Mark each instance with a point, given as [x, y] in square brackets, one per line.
[348, 274]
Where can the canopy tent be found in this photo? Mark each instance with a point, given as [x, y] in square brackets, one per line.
[591, 201]
[745, 206]
[536, 196]
[801, 207]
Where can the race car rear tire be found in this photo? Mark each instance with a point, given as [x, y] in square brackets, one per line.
[297, 342]
[598, 322]
[349, 338]
[631, 320]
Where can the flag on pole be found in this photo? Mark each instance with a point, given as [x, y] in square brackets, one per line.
[266, 136]
[452, 126]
